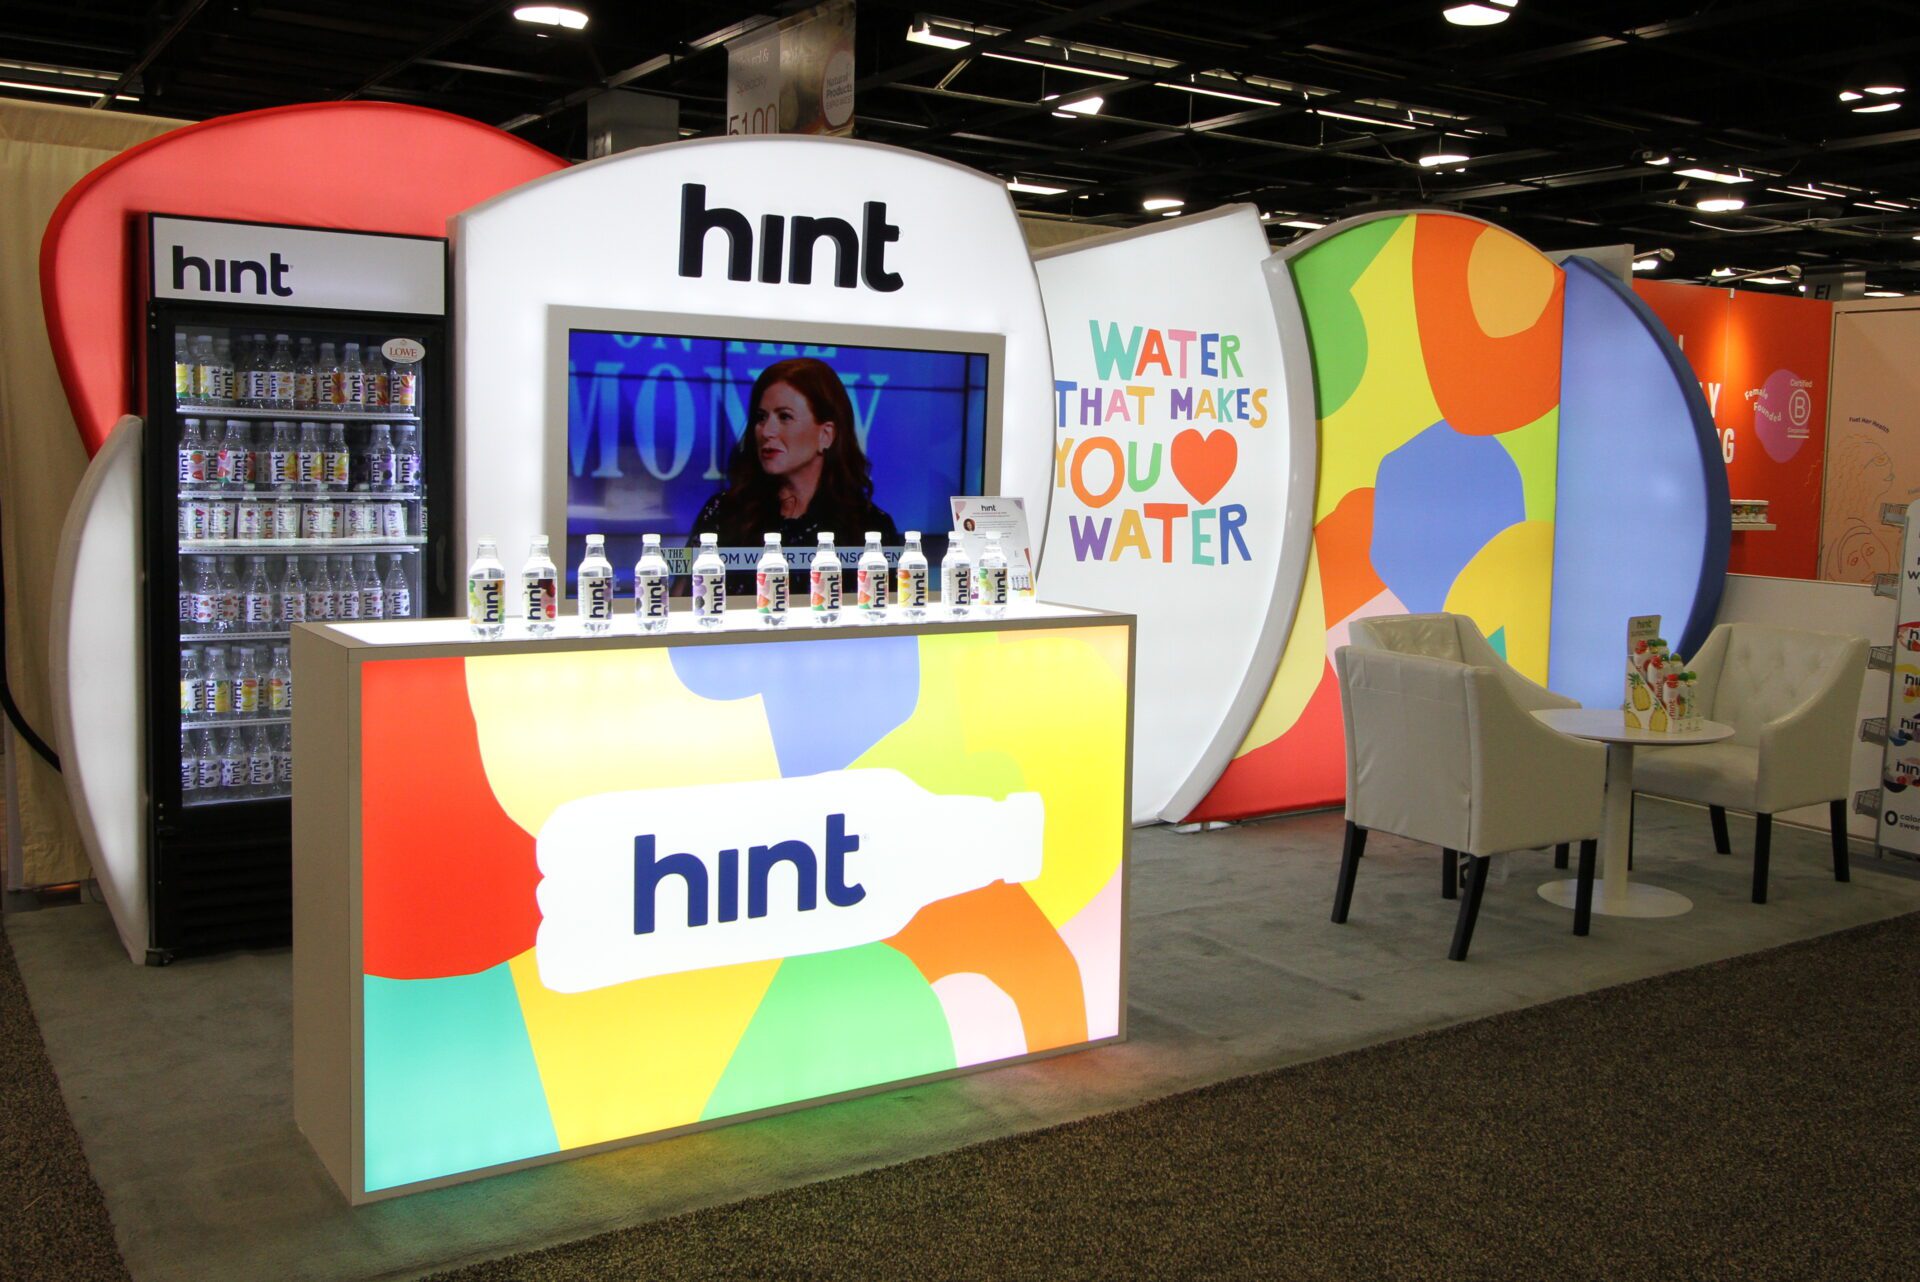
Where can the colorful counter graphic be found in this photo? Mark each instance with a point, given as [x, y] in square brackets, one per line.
[1499, 437]
[475, 777]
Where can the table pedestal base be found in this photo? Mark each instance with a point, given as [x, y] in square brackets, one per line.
[1639, 899]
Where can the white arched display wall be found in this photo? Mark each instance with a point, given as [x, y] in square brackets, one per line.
[606, 236]
[1183, 475]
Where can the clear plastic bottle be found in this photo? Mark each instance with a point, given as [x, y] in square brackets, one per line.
[406, 463]
[306, 378]
[339, 460]
[279, 700]
[312, 458]
[910, 593]
[346, 592]
[260, 764]
[233, 764]
[257, 367]
[650, 576]
[397, 590]
[246, 683]
[382, 469]
[771, 584]
[231, 461]
[353, 380]
[870, 581]
[319, 592]
[193, 454]
[991, 578]
[182, 369]
[486, 592]
[217, 703]
[256, 600]
[208, 760]
[373, 600]
[203, 601]
[956, 578]
[403, 387]
[227, 600]
[206, 371]
[280, 376]
[293, 595]
[824, 582]
[225, 381]
[593, 593]
[283, 759]
[283, 457]
[189, 766]
[192, 685]
[329, 380]
[539, 589]
[377, 383]
[709, 574]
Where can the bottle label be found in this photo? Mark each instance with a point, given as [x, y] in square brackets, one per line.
[304, 389]
[283, 762]
[709, 594]
[483, 600]
[770, 591]
[993, 585]
[196, 519]
[282, 466]
[313, 468]
[246, 695]
[182, 380]
[597, 600]
[279, 694]
[650, 597]
[260, 770]
[209, 772]
[233, 772]
[373, 603]
[319, 605]
[280, 387]
[293, 607]
[219, 696]
[872, 587]
[190, 696]
[202, 606]
[404, 388]
[249, 520]
[227, 606]
[206, 383]
[399, 603]
[407, 471]
[826, 585]
[259, 388]
[259, 607]
[543, 599]
[912, 587]
[338, 462]
[353, 387]
[189, 772]
[959, 589]
[348, 604]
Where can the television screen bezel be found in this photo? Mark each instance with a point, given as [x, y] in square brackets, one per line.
[563, 320]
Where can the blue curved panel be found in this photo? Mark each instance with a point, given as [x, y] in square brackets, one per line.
[1641, 520]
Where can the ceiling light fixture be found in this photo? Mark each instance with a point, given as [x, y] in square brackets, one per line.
[62, 89]
[552, 15]
[1435, 159]
[1362, 120]
[1875, 108]
[1154, 204]
[1304, 224]
[1084, 107]
[1768, 280]
[1033, 188]
[1485, 13]
[1215, 93]
[922, 33]
[1885, 293]
[1721, 273]
[1661, 159]
[1712, 175]
[1646, 264]
[1719, 204]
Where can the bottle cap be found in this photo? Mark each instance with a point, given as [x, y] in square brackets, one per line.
[539, 543]
[771, 540]
[826, 538]
[709, 540]
[913, 536]
[596, 540]
[650, 540]
[873, 536]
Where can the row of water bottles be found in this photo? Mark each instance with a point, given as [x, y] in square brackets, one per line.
[252, 373]
[235, 763]
[901, 594]
[307, 458]
[220, 683]
[215, 597]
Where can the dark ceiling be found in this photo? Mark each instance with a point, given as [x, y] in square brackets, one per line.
[1311, 111]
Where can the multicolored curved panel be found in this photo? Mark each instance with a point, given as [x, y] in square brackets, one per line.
[484, 1044]
[1489, 423]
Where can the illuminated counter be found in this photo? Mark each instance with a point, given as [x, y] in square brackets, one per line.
[556, 895]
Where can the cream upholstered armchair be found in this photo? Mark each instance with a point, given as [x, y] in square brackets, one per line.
[1792, 699]
[1441, 750]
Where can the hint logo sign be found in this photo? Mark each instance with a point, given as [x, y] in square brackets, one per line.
[231, 275]
[645, 883]
[787, 245]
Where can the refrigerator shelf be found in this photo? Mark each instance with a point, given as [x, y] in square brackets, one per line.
[226, 723]
[311, 416]
[300, 496]
[411, 543]
[194, 800]
[215, 638]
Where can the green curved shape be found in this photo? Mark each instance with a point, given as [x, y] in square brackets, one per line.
[1336, 331]
[833, 1022]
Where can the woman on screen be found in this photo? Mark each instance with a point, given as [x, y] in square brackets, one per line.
[799, 468]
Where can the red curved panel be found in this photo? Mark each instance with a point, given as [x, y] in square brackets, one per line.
[365, 166]
[1310, 757]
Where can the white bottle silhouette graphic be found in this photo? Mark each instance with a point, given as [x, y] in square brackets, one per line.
[636, 884]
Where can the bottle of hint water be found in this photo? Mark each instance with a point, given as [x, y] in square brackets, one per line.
[540, 588]
[486, 592]
[956, 578]
[594, 594]
[823, 580]
[910, 591]
[991, 579]
[770, 584]
[870, 581]
[709, 584]
[650, 574]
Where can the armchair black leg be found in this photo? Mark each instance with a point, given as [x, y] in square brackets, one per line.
[1583, 893]
[1356, 843]
[1721, 845]
[1449, 874]
[1762, 842]
[1560, 853]
[1837, 811]
[1469, 907]
[1632, 809]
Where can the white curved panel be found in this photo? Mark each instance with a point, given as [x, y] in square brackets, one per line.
[1204, 533]
[96, 671]
[607, 235]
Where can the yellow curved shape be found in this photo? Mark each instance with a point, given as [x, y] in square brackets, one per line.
[1509, 584]
[1301, 666]
[606, 1063]
[1508, 282]
[639, 728]
[1038, 709]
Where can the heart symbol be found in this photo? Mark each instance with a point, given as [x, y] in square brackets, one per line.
[1204, 464]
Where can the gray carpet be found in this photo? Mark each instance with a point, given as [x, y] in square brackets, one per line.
[1755, 1118]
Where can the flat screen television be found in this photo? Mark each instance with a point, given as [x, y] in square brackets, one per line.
[660, 430]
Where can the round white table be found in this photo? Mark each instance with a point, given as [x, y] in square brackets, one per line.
[1617, 895]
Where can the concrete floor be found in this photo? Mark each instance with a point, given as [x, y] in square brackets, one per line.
[180, 1085]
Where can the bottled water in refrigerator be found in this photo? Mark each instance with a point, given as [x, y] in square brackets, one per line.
[992, 578]
[398, 591]
[279, 701]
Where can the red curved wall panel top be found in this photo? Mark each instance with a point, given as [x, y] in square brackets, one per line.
[365, 166]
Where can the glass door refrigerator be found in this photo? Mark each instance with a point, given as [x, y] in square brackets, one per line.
[298, 466]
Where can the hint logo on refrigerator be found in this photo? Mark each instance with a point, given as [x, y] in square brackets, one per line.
[231, 275]
[645, 883]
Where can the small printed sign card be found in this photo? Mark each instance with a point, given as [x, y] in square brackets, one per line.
[1659, 688]
[976, 516]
